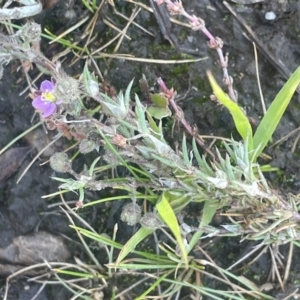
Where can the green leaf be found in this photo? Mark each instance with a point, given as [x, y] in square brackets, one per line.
[177, 199]
[141, 234]
[160, 109]
[159, 112]
[140, 115]
[274, 113]
[154, 127]
[107, 241]
[166, 161]
[114, 109]
[185, 152]
[162, 148]
[241, 121]
[90, 81]
[167, 214]
[153, 286]
[159, 100]
[157, 129]
[201, 161]
[209, 211]
[127, 95]
[91, 170]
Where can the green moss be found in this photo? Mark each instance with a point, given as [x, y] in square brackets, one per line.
[180, 70]
[160, 48]
[183, 35]
[204, 89]
[246, 271]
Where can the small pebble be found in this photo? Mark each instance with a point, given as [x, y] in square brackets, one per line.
[270, 16]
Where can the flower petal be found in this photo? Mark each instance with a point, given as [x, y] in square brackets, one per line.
[39, 104]
[46, 85]
[49, 110]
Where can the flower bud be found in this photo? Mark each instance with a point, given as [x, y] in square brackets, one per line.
[94, 136]
[30, 32]
[87, 146]
[131, 214]
[67, 89]
[60, 162]
[73, 108]
[151, 221]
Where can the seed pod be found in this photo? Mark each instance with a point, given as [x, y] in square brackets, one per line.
[60, 162]
[30, 32]
[87, 146]
[67, 89]
[94, 136]
[131, 214]
[151, 221]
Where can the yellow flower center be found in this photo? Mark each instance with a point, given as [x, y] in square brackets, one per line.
[49, 96]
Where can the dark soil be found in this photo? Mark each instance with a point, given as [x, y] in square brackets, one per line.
[21, 207]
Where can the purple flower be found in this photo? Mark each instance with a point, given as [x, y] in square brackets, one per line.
[46, 102]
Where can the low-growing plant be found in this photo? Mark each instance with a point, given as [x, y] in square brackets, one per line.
[258, 141]
[164, 180]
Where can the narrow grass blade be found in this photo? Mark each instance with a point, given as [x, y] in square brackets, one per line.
[20, 136]
[127, 95]
[153, 286]
[140, 115]
[141, 234]
[76, 274]
[209, 211]
[274, 113]
[106, 241]
[156, 130]
[241, 121]
[185, 152]
[167, 214]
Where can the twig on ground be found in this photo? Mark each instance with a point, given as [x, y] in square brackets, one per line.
[274, 269]
[179, 115]
[288, 264]
[176, 8]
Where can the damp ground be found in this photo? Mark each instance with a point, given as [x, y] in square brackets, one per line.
[22, 208]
